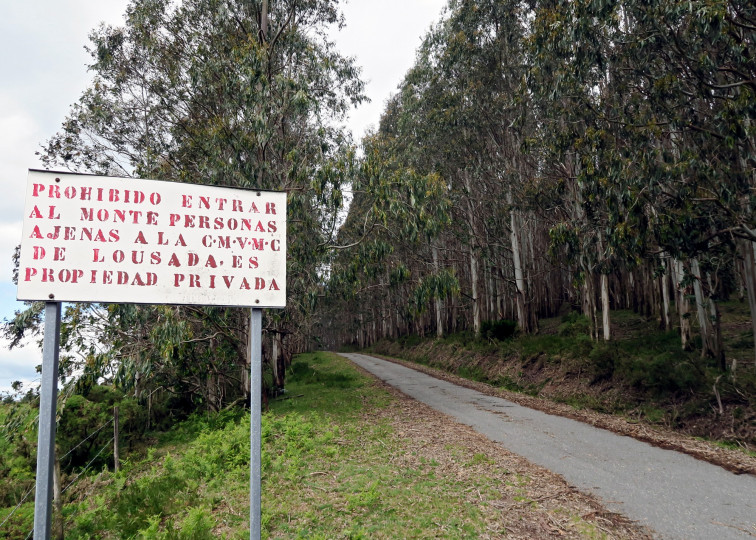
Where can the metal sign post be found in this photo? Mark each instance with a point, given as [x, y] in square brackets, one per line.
[255, 419]
[46, 437]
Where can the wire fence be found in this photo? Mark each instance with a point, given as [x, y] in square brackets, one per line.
[88, 465]
[87, 438]
[17, 507]
[85, 469]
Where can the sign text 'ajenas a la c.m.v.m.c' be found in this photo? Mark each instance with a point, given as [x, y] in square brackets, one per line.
[104, 239]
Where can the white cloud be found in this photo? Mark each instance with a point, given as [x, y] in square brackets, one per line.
[384, 37]
[19, 365]
[44, 71]
[10, 237]
[19, 133]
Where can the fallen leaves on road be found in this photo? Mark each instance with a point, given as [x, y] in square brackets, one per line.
[529, 502]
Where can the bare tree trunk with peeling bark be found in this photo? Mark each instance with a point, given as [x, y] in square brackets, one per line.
[605, 316]
[520, 292]
[708, 339]
[474, 291]
[589, 302]
[666, 322]
[474, 279]
[683, 306]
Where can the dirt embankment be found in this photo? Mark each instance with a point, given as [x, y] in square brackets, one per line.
[561, 391]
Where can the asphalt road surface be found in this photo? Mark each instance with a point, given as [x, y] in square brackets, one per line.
[674, 494]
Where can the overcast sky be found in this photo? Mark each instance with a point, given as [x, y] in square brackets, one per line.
[44, 71]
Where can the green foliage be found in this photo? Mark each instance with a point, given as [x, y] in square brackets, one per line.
[325, 473]
[18, 441]
[574, 324]
[192, 91]
[20, 523]
[664, 374]
[410, 340]
[638, 174]
[463, 338]
[82, 415]
[616, 136]
[472, 372]
[603, 359]
[166, 497]
[641, 373]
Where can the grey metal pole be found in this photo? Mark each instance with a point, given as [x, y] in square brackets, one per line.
[255, 413]
[48, 396]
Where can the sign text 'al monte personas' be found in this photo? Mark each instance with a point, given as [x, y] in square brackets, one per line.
[103, 239]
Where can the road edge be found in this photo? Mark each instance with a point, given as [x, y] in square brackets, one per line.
[731, 460]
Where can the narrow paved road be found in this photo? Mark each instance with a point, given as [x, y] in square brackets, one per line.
[674, 494]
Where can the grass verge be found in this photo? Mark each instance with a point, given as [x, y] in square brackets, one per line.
[343, 457]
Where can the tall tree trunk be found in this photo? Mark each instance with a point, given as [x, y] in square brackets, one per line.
[474, 279]
[274, 364]
[589, 303]
[604, 290]
[716, 321]
[501, 303]
[605, 317]
[683, 306]
[520, 291]
[666, 322]
[652, 294]
[264, 22]
[634, 296]
[708, 346]
[437, 300]
[474, 290]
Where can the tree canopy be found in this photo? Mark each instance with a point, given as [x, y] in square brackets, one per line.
[220, 92]
[599, 154]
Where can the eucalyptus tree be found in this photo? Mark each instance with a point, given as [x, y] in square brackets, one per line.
[618, 132]
[654, 101]
[699, 72]
[570, 78]
[223, 92]
[459, 115]
[464, 117]
[381, 279]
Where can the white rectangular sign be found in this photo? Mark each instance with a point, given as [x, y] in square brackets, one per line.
[123, 240]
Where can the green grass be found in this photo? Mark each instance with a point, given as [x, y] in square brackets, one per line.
[327, 473]
[325, 452]
[734, 446]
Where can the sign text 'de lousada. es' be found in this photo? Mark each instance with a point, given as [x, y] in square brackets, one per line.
[121, 240]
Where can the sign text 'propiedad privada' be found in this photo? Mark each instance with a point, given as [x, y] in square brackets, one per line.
[121, 240]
